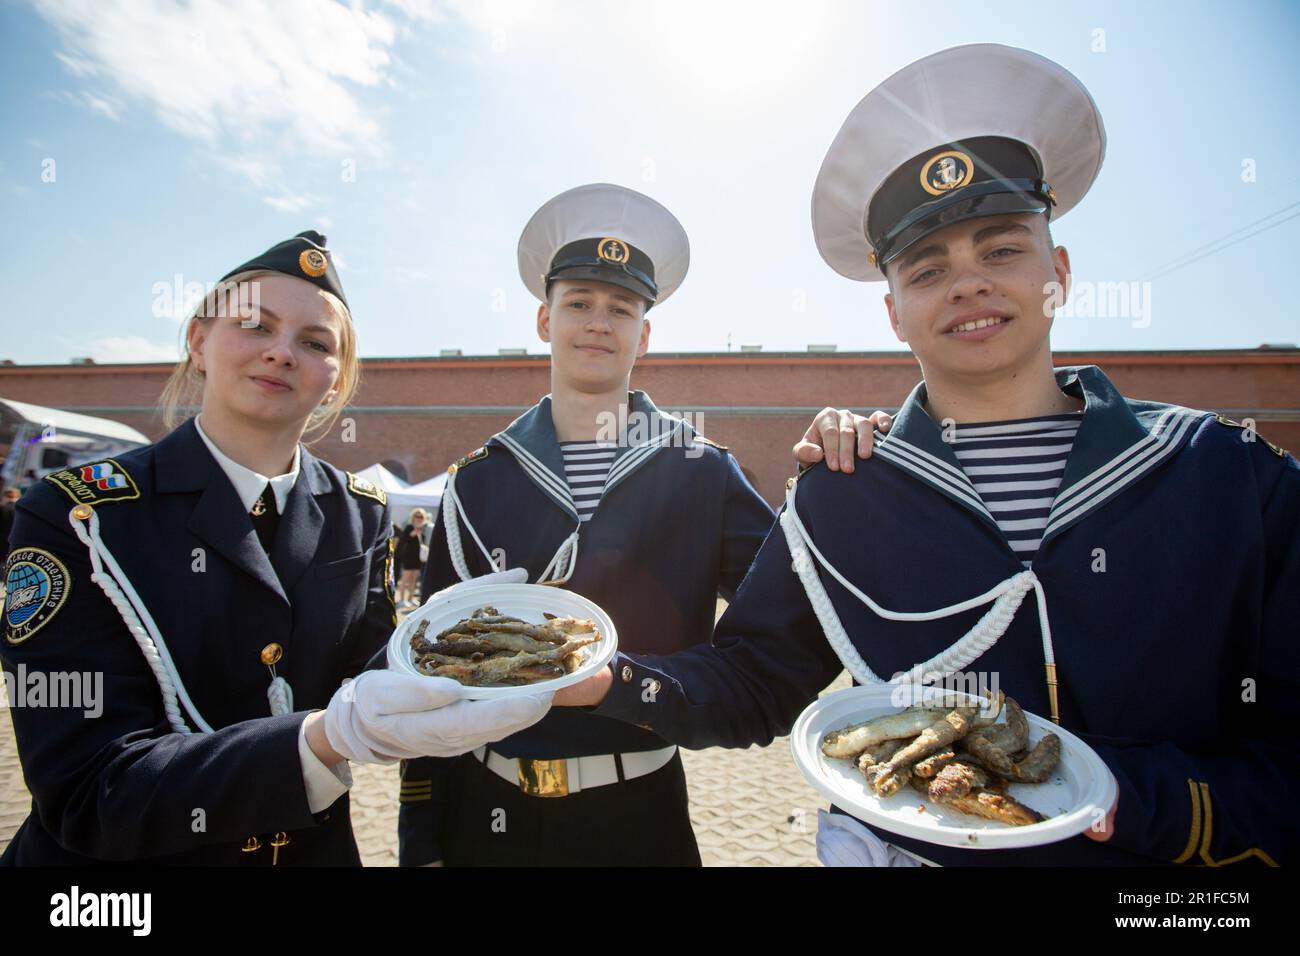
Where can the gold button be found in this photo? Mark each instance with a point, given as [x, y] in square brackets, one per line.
[627, 674]
[655, 686]
[82, 512]
[272, 654]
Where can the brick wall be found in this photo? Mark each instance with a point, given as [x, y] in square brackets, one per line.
[425, 413]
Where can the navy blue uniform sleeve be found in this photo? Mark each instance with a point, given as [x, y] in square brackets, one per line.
[768, 660]
[1215, 808]
[747, 519]
[424, 781]
[120, 784]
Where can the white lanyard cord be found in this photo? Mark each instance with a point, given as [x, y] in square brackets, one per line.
[566, 557]
[139, 622]
[454, 547]
[1006, 596]
[564, 560]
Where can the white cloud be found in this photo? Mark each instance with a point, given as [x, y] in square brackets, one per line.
[292, 202]
[76, 65]
[408, 274]
[426, 11]
[262, 171]
[132, 348]
[102, 105]
[233, 74]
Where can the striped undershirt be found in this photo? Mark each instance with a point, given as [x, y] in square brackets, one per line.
[586, 466]
[1016, 467]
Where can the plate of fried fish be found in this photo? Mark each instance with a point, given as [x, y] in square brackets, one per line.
[500, 640]
[951, 768]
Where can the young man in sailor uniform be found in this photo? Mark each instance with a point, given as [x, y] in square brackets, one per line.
[1139, 563]
[652, 525]
[596, 490]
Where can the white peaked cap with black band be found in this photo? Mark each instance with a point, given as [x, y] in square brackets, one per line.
[605, 233]
[977, 130]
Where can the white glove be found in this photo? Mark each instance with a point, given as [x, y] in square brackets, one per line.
[512, 576]
[843, 841]
[383, 716]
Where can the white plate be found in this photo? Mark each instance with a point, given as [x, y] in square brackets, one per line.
[526, 601]
[1081, 788]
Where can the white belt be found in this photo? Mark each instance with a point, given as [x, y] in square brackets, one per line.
[583, 773]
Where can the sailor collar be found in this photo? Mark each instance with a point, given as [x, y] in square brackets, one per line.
[531, 439]
[1118, 442]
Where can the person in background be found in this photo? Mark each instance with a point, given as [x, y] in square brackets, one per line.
[11, 496]
[412, 553]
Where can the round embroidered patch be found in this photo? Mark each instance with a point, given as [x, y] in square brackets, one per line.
[36, 587]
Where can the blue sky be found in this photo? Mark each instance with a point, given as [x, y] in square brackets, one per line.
[187, 137]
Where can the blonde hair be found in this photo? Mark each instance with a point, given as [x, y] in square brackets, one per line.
[421, 512]
[185, 386]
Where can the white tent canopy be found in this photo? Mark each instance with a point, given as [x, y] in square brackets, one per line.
[380, 476]
[62, 421]
[430, 486]
[403, 497]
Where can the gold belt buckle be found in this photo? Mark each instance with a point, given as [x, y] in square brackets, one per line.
[544, 778]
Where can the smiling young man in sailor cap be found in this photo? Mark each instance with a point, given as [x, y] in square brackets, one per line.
[651, 523]
[1087, 516]
[595, 489]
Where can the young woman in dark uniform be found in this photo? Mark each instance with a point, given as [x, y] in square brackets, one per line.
[210, 593]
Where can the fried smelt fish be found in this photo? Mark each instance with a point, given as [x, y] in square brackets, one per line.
[878, 754]
[1039, 763]
[931, 765]
[489, 647]
[534, 673]
[463, 645]
[1001, 807]
[985, 714]
[958, 779]
[854, 739]
[849, 742]
[993, 746]
[888, 778]
[496, 670]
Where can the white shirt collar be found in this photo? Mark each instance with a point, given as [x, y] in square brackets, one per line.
[249, 485]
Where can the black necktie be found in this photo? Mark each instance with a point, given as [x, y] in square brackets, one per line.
[265, 517]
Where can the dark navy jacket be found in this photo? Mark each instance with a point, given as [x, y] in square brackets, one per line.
[1179, 663]
[124, 786]
[678, 524]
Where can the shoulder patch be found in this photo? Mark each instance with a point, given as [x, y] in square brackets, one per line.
[37, 585]
[469, 459]
[712, 444]
[366, 489]
[98, 483]
[1250, 434]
